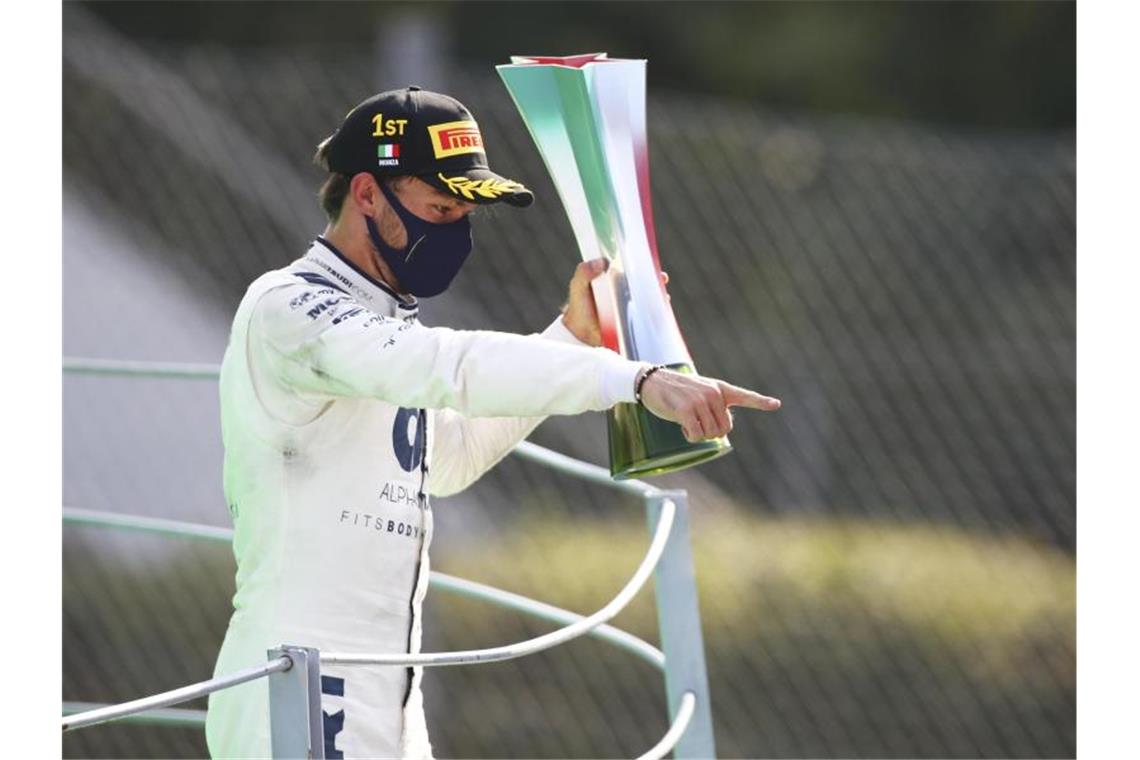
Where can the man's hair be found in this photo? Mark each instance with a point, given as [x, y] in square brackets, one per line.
[336, 186]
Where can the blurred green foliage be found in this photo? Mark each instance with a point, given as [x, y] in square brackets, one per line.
[831, 617]
[936, 581]
[1010, 64]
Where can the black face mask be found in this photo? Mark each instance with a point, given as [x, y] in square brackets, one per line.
[433, 255]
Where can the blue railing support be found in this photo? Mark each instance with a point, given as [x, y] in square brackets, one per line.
[679, 623]
[295, 723]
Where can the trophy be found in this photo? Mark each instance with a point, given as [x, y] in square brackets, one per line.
[586, 114]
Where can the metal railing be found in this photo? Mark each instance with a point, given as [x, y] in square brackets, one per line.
[175, 696]
[159, 716]
[437, 580]
[294, 692]
[539, 643]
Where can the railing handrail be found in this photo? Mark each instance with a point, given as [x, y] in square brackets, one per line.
[583, 470]
[443, 581]
[538, 643]
[196, 371]
[580, 627]
[135, 368]
[159, 716]
[685, 712]
[616, 636]
[175, 696]
[161, 525]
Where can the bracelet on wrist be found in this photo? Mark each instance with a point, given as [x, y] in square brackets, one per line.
[641, 378]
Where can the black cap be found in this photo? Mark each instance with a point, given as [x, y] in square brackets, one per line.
[424, 134]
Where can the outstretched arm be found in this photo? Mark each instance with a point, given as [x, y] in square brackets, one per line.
[464, 448]
[322, 344]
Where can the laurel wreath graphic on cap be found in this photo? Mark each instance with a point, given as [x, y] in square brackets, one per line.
[487, 188]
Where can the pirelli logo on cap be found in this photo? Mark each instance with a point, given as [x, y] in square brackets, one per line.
[455, 137]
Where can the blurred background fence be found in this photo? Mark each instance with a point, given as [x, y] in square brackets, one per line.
[886, 566]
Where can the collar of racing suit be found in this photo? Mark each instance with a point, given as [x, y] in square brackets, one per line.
[324, 259]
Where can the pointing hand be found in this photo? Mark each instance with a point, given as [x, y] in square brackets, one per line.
[699, 405]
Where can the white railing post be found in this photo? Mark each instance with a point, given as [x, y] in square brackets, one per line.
[679, 623]
[296, 725]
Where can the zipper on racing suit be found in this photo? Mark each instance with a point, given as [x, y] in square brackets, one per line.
[422, 498]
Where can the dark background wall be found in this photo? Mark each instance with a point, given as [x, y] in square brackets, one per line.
[992, 64]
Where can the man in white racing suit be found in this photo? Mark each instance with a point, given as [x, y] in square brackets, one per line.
[341, 414]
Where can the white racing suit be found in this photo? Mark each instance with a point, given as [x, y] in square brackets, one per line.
[340, 413]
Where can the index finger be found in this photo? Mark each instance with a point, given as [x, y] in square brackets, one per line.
[736, 396]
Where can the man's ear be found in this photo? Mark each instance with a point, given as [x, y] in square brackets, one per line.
[364, 193]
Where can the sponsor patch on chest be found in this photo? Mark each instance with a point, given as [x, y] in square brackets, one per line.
[379, 523]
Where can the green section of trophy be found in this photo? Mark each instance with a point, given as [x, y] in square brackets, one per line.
[587, 116]
[643, 444]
